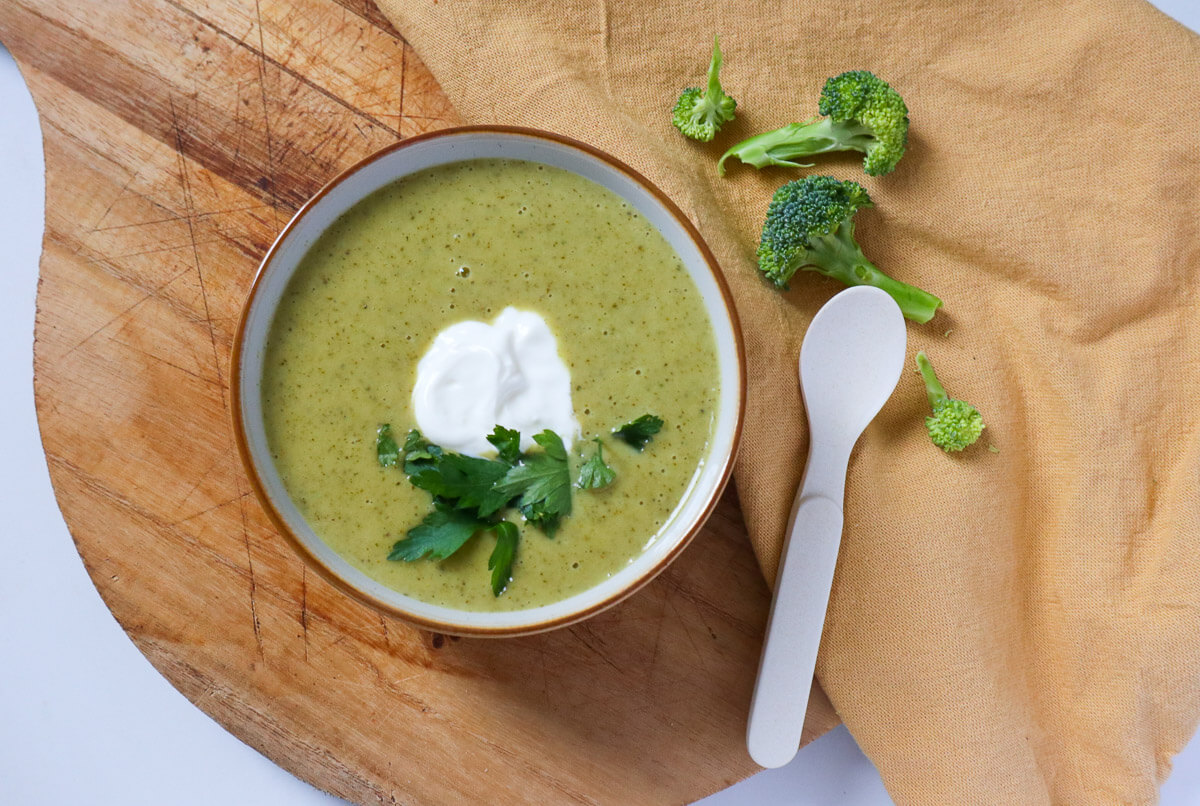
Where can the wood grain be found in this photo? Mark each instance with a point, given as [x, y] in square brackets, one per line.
[179, 136]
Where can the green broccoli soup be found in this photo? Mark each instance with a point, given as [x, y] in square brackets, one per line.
[467, 241]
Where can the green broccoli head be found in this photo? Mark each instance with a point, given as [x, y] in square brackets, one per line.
[860, 97]
[698, 114]
[810, 225]
[863, 114]
[955, 424]
[801, 213]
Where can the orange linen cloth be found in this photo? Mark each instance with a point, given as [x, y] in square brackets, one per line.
[1020, 627]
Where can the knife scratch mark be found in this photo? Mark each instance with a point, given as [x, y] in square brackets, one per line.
[253, 581]
[189, 213]
[153, 292]
[304, 607]
[262, 86]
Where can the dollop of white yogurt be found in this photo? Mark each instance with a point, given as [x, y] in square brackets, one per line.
[476, 376]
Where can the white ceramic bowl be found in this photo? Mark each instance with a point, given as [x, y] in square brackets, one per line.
[416, 154]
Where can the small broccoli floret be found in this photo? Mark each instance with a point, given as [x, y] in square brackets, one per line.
[955, 424]
[700, 113]
[863, 114]
[810, 225]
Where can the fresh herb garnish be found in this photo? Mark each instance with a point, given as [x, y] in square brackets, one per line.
[595, 473]
[507, 443]
[443, 532]
[541, 516]
[469, 493]
[541, 484]
[419, 453]
[501, 561]
[467, 482]
[638, 432]
[386, 449]
[417, 447]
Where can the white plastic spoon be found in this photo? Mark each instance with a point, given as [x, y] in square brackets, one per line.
[850, 362]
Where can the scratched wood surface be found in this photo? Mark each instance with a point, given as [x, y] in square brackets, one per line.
[179, 136]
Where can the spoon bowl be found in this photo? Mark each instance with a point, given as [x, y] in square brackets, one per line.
[850, 361]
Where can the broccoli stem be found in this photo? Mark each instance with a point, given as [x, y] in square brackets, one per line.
[933, 387]
[714, 72]
[708, 107]
[782, 146]
[915, 304]
[838, 255]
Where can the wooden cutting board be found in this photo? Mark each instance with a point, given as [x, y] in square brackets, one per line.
[180, 135]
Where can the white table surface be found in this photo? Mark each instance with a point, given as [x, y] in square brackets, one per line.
[85, 719]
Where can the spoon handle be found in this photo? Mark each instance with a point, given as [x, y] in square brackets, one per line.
[802, 587]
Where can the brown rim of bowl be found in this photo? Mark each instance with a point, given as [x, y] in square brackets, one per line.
[362, 596]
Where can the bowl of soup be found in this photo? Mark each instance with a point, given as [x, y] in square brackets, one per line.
[489, 380]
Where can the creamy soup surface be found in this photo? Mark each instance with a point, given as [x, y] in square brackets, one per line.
[464, 241]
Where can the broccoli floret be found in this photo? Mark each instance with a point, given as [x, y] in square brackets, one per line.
[810, 225]
[864, 114]
[700, 113]
[955, 424]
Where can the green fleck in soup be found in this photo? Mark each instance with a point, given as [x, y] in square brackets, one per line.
[464, 241]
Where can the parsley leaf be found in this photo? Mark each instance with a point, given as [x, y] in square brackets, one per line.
[501, 561]
[468, 481]
[541, 516]
[443, 532]
[467, 491]
[419, 453]
[638, 432]
[507, 443]
[542, 483]
[465, 481]
[417, 447]
[386, 449]
[595, 473]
